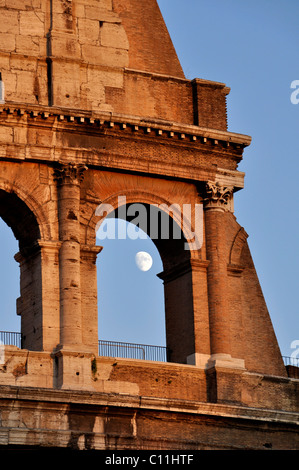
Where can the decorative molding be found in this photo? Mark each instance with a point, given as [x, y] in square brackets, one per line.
[217, 196]
[237, 247]
[37, 247]
[108, 120]
[89, 253]
[193, 265]
[69, 173]
[225, 361]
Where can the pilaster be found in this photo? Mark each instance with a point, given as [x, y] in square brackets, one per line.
[187, 327]
[215, 205]
[89, 296]
[38, 304]
[68, 177]
[222, 370]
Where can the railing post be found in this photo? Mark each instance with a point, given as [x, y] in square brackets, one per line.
[12, 338]
[128, 350]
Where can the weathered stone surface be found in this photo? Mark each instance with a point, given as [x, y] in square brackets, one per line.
[96, 106]
[85, 421]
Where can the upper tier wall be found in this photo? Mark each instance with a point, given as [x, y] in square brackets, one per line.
[93, 55]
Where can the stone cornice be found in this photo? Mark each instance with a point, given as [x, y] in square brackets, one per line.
[109, 120]
[51, 397]
[200, 154]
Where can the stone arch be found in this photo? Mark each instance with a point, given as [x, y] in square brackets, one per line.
[137, 303]
[187, 225]
[38, 261]
[237, 247]
[9, 278]
[30, 208]
[19, 217]
[178, 274]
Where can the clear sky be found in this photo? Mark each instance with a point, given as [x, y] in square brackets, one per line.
[252, 46]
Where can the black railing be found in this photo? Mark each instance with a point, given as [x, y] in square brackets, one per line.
[132, 351]
[11, 338]
[291, 361]
[124, 350]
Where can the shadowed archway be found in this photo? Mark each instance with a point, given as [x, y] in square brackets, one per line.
[9, 280]
[23, 223]
[17, 215]
[131, 300]
[160, 229]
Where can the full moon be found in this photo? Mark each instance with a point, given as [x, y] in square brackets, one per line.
[143, 260]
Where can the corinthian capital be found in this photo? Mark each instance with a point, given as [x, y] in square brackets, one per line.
[69, 173]
[218, 196]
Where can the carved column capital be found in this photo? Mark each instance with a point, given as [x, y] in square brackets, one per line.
[69, 173]
[217, 196]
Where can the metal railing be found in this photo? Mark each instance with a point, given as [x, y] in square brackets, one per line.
[11, 338]
[132, 351]
[291, 361]
[124, 350]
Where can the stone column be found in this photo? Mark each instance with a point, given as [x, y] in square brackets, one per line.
[38, 304]
[89, 293]
[186, 313]
[216, 202]
[223, 372]
[68, 178]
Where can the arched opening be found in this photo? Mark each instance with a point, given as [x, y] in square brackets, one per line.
[131, 299]
[136, 305]
[19, 289]
[17, 215]
[9, 282]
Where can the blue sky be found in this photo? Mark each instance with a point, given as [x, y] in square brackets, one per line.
[252, 46]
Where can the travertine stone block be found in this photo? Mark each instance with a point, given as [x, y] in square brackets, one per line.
[6, 134]
[73, 371]
[89, 30]
[10, 85]
[37, 4]
[20, 135]
[25, 85]
[26, 368]
[32, 23]
[108, 56]
[66, 86]
[113, 78]
[9, 22]
[7, 41]
[62, 22]
[28, 43]
[17, 63]
[101, 14]
[103, 4]
[64, 45]
[18, 4]
[62, 7]
[113, 35]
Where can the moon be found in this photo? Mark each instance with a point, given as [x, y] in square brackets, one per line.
[143, 260]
